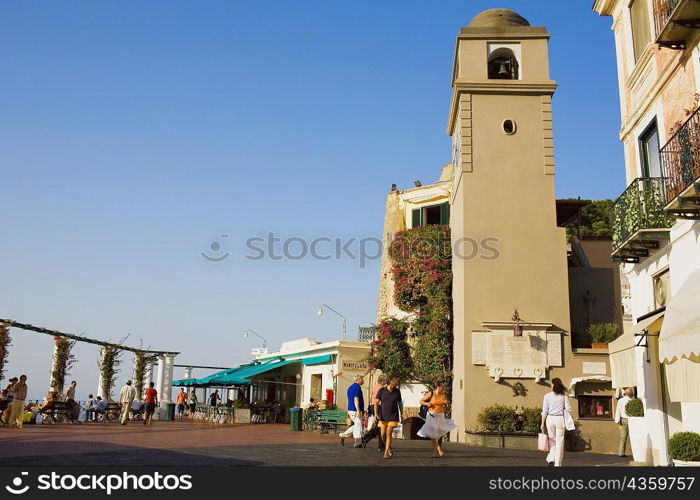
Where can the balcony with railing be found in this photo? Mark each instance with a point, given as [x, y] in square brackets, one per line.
[680, 165]
[639, 224]
[676, 21]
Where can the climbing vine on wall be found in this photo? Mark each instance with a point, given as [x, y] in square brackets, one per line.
[422, 270]
[5, 343]
[141, 362]
[63, 361]
[109, 368]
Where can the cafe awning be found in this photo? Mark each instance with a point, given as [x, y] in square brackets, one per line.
[316, 360]
[586, 378]
[680, 333]
[243, 376]
[623, 358]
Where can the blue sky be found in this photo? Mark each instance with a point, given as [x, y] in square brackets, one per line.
[134, 134]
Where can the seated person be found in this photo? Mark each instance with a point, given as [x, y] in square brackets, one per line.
[136, 409]
[311, 405]
[49, 400]
[4, 407]
[99, 408]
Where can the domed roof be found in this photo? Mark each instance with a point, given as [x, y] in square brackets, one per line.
[497, 18]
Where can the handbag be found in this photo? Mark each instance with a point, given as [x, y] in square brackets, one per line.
[542, 442]
[423, 411]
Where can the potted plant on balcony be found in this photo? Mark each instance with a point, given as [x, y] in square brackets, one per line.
[602, 334]
[637, 429]
[684, 448]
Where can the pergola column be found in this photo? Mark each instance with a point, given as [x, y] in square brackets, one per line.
[148, 374]
[100, 391]
[54, 367]
[167, 393]
[188, 372]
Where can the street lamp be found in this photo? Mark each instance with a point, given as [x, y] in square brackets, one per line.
[320, 313]
[245, 336]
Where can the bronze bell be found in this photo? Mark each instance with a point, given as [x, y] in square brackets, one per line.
[504, 70]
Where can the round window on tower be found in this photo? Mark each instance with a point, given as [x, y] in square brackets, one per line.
[509, 127]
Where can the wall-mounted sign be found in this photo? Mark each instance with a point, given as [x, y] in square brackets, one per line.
[355, 366]
[527, 355]
[258, 351]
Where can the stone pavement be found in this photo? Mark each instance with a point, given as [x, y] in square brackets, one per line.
[196, 444]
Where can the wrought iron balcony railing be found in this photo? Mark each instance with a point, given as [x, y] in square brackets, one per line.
[638, 219]
[680, 165]
[675, 21]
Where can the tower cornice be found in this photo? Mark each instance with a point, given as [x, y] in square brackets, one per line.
[500, 87]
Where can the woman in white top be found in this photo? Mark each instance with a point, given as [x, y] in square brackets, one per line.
[554, 405]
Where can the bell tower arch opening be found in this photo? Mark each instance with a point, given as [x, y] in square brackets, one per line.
[503, 63]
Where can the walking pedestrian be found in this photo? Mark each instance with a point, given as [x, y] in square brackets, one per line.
[181, 400]
[436, 426]
[388, 406]
[150, 403]
[214, 398]
[19, 389]
[356, 409]
[554, 406]
[126, 397]
[621, 419]
[373, 420]
[192, 401]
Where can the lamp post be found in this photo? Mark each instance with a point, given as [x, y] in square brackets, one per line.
[245, 335]
[320, 313]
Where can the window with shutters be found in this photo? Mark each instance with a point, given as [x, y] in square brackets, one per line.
[431, 215]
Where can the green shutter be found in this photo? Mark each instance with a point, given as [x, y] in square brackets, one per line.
[415, 221]
[445, 214]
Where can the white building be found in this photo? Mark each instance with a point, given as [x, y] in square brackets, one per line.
[657, 218]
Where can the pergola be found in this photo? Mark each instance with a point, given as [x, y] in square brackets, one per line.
[144, 360]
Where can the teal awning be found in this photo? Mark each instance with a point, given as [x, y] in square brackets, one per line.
[242, 376]
[206, 381]
[316, 360]
[185, 382]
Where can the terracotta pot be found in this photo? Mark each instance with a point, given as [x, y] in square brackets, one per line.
[599, 345]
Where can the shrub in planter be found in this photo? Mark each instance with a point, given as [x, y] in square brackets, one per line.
[532, 419]
[497, 418]
[685, 446]
[634, 408]
[602, 333]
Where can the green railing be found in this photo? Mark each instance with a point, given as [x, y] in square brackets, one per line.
[639, 207]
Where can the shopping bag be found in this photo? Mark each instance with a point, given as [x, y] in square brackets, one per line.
[569, 421]
[542, 442]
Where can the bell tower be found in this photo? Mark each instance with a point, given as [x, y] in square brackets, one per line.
[509, 255]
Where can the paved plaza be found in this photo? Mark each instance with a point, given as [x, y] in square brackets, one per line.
[197, 444]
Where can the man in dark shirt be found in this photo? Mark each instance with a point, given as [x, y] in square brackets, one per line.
[356, 409]
[387, 406]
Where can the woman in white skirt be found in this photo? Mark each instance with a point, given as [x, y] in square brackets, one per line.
[554, 407]
[436, 425]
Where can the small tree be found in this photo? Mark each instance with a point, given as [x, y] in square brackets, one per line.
[5, 343]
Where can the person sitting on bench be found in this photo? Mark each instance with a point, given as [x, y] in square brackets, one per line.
[97, 409]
